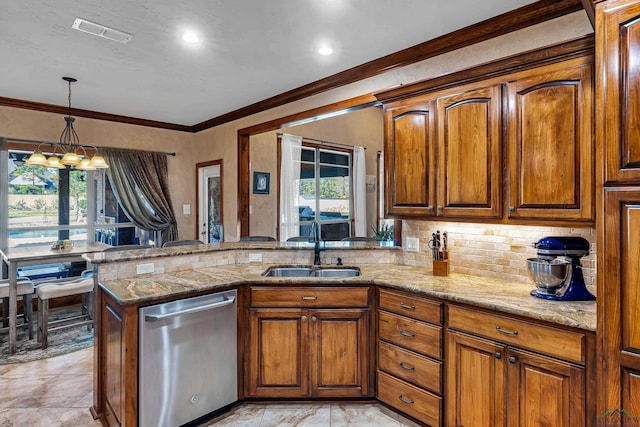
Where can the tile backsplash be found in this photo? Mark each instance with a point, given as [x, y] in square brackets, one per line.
[491, 250]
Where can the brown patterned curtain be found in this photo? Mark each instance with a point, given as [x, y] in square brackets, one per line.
[140, 181]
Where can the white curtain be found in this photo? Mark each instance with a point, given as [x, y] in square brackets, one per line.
[359, 192]
[289, 186]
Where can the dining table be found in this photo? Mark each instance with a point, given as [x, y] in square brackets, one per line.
[34, 255]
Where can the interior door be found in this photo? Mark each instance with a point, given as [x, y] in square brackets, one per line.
[210, 202]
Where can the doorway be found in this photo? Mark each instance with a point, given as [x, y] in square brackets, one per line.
[209, 197]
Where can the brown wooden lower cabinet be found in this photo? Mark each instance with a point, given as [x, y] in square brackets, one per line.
[411, 400]
[302, 353]
[491, 384]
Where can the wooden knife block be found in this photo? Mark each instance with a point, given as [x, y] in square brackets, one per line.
[441, 267]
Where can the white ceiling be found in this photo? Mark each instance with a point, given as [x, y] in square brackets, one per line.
[251, 49]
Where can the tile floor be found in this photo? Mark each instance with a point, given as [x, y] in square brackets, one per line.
[57, 392]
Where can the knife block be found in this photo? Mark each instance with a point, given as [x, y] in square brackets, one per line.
[441, 267]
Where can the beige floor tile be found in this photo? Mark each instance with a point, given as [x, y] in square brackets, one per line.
[46, 417]
[361, 415]
[314, 416]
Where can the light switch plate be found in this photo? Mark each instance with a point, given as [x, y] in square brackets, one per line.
[255, 257]
[186, 209]
[145, 268]
[413, 244]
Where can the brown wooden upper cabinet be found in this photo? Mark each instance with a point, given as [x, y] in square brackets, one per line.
[444, 150]
[550, 142]
[618, 48]
[461, 128]
[410, 157]
[469, 153]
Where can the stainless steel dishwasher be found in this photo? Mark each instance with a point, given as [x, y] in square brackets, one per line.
[188, 359]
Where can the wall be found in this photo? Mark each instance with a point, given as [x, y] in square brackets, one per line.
[362, 127]
[221, 142]
[492, 250]
[223, 139]
[35, 125]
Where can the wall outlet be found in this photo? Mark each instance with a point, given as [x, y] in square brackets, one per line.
[145, 268]
[413, 244]
[255, 257]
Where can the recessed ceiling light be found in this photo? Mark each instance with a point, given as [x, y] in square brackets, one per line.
[190, 37]
[325, 50]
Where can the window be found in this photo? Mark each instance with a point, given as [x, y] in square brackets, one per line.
[49, 204]
[325, 192]
[44, 204]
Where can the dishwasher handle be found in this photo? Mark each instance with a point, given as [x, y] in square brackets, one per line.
[157, 317]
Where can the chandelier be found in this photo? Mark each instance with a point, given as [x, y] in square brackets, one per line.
[73, 154]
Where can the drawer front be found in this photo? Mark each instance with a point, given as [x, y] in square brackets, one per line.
[409, 399]
[412, 334]
[560, 343]
[309, 296]
[411, 306]
[411, 367]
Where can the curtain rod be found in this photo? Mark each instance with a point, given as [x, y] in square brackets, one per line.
[321, 141]
[34, 142]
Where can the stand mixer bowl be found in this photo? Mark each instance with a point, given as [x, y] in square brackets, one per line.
[548, 274]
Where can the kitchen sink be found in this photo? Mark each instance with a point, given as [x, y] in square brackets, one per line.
[309, 271]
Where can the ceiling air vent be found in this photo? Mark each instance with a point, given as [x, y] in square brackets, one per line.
[101, 31]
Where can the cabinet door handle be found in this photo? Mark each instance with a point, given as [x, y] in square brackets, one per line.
[429, 208]
[504, 331]
[512, 209]
[406, 334]
[408, 402]
[408, 307]
[314, 318]
[407, 367]
[439, 207]
[512, 359]
[309, 298]
[303, 318]
[498, 356]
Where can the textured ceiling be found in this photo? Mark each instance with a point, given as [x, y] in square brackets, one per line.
[251, 49]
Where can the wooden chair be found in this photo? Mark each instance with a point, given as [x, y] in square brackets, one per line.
[182, 243]
[62, 288]
[25, 290]
[257, 239]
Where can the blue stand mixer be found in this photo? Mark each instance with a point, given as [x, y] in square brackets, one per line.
[557, 271]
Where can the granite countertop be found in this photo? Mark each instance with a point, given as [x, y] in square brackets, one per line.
[507, 297]
[137, 254]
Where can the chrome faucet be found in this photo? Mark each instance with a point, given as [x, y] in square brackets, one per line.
[314, 237]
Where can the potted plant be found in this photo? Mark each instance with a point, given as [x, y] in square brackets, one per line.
[384, 233]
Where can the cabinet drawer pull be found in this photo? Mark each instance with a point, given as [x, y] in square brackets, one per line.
[408, 307]
[408, 402]
[407, 367]
[309, 298]
[504, 331]
[406, 334]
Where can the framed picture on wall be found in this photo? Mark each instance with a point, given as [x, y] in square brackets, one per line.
[261, 183]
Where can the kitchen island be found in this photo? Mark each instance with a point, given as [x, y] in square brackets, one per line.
[191, 271]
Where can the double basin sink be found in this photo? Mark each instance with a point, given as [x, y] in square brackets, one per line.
[311, 271]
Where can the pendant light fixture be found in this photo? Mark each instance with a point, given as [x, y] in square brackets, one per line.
[70, 146]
